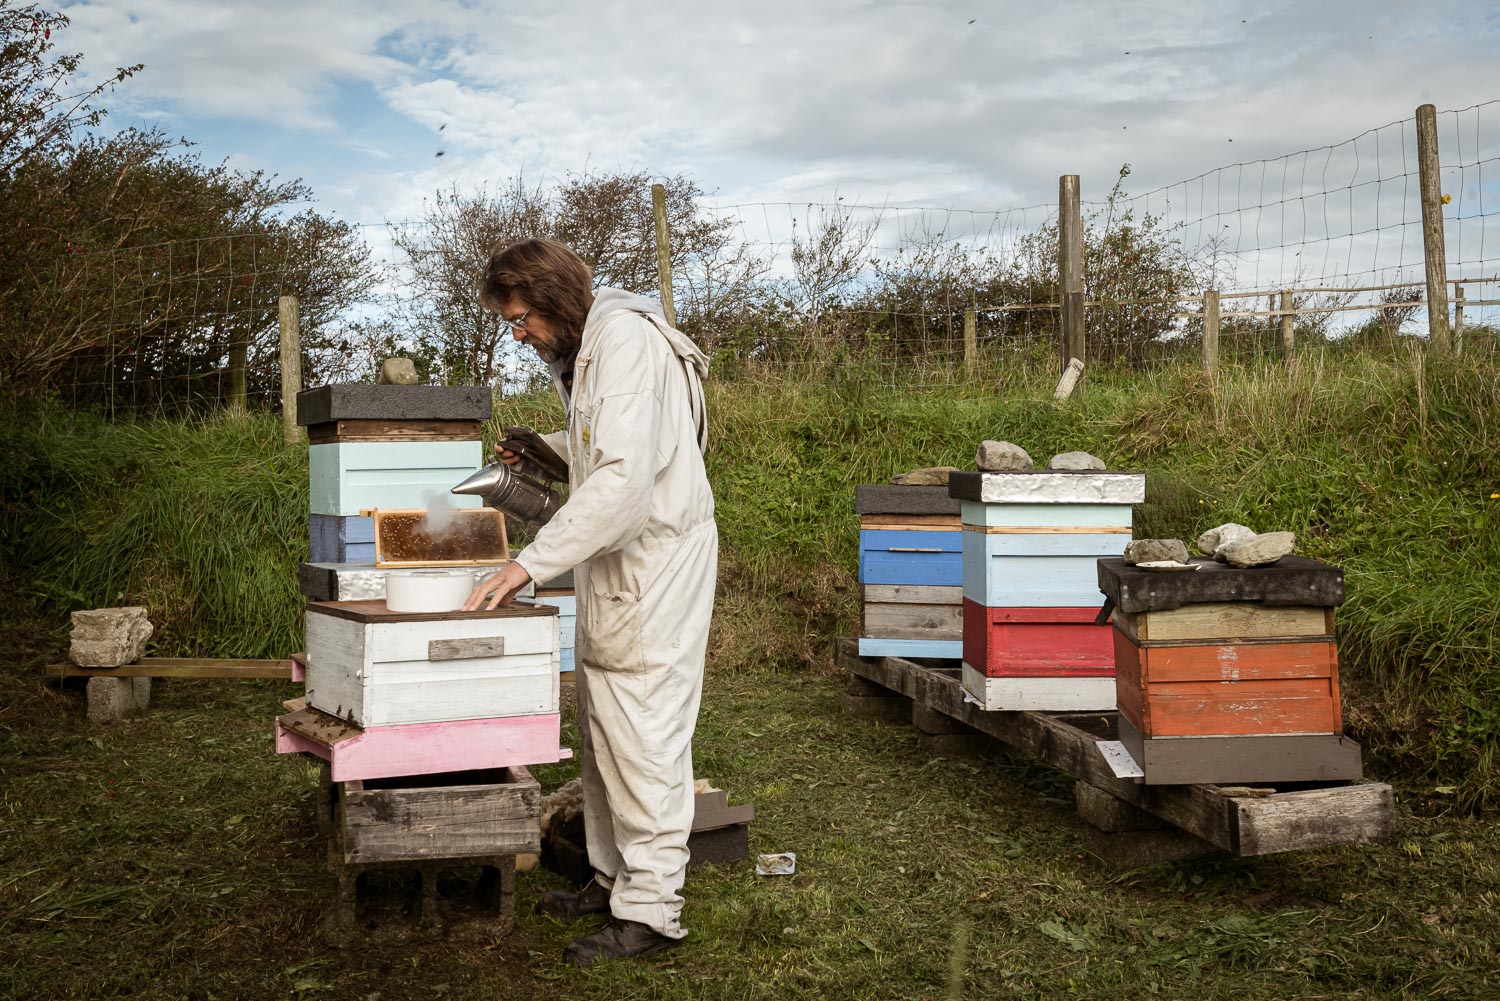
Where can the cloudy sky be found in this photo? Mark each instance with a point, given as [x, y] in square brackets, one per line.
[972, 104]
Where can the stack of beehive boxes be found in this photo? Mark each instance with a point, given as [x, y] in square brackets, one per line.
[375, 446]
[910, 570]
[1228, 675]
[1031, 540]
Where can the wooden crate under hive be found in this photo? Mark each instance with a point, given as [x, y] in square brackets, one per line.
[470, 537]
[910, 570]
[1230, 676]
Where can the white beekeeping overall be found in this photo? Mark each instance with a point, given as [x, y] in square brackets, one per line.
[639, 528]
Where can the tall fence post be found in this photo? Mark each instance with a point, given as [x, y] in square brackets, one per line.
[663, 252]
[1211, 330]
[1288, 336]
[239, 351]
[291, 368]
[971, 340]
[1070, 268]
[1431, 187]
[1458, 319]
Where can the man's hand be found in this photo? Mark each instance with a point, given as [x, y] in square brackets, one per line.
[508, 457]
[498, 588]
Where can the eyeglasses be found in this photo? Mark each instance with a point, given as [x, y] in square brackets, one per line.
[519, 323]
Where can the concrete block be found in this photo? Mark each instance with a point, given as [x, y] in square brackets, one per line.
[363, 401]
[1112, 814]
[931, 721]
[112, 699]
[109, 637]
[956, 745]
[892, 710]
[854, 684]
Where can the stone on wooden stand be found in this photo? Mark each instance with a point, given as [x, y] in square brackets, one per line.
[107, 638]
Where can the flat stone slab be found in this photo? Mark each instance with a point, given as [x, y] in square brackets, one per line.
[1293, 580]
[1049, 486]
[366, 401]
[885, 498]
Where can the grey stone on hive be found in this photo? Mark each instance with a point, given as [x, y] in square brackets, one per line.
[885, 498]
[365, 401]
[997, 456]
[928, 476]
[109, 637]
[1151, 550]
[1212, 540]
[1262, 550]
[1075, 460]
[397, 372]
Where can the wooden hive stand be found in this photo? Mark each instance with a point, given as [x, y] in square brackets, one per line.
[417, 836]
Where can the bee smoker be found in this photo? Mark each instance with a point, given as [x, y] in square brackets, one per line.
[516, 493]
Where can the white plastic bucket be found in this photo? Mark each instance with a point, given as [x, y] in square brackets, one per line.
[432, 590]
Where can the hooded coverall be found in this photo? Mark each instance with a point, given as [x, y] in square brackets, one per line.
[638, 529]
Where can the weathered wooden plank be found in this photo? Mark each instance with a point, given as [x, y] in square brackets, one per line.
[1314, 818]
[911, 522]
[916, 594]
[179, 667]
[466, 647]
[1076, 691]
[899, 620]
[370, 429]
[1224, 620]
[441, 821]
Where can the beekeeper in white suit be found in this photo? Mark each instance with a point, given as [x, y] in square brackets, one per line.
[638, 528]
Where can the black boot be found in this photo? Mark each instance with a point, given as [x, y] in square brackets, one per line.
[619, 939]
[592, 899]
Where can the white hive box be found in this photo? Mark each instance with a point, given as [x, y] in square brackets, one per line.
[374, 667]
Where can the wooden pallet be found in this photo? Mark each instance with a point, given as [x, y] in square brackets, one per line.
[1238, 820]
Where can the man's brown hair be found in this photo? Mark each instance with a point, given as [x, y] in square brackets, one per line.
[546, 275]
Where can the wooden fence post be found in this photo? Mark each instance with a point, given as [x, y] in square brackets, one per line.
[1288, 337]
[291, 368]
[1431, 188]
[1458, 319]
[971, 340]
[663, 252]
[1070, 268]
[1211, 331]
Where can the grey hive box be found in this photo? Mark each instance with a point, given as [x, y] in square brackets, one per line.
[366, 401]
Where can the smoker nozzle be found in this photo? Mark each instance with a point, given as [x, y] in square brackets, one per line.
[514, 493]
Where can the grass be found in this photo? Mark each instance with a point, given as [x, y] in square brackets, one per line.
[175, 857]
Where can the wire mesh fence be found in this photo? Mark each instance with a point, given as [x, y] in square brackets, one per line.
[1319, 244]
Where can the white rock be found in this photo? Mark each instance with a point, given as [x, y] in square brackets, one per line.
[1075, 460]
[1212, 540]
[109, 637]
[1155, 550]
[397, 372]
[997, 456]
[1258, 551]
